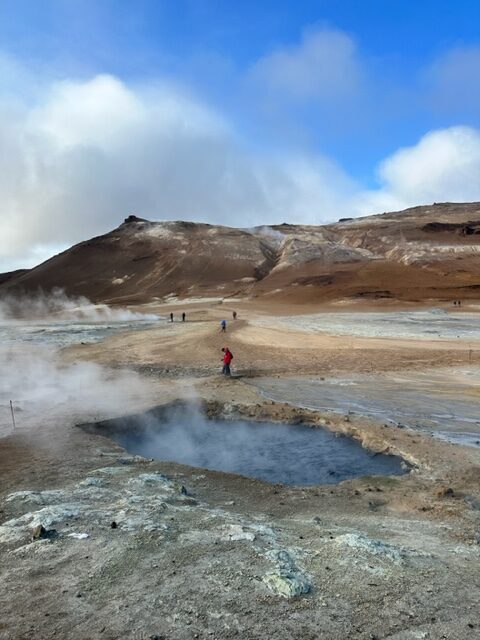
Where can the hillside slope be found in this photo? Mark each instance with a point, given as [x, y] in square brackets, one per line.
[423, 252]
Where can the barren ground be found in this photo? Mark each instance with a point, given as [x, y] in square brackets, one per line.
[200, 554]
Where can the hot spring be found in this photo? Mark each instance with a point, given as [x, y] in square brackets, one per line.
[278, 453]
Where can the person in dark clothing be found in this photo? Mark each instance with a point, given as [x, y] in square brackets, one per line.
[171, 317]
[183, 316]
[227, 359]
[234, 314]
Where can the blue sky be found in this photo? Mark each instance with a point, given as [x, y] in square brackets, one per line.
[302, 110]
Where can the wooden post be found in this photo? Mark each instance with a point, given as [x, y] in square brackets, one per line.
[13, 414]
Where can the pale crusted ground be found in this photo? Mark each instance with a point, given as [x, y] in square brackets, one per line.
[228, 556]
[260, 350]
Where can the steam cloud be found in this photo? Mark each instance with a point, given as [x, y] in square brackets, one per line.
[56, 305]
[37, 375]
[43, 387]
[275, 236]
[34, 375]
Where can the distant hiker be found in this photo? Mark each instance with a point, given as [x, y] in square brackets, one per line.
[223, 324]
[227, 358]
[171, 317]
[183, 316]
[234, 314]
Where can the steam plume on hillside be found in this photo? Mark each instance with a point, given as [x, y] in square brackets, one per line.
[56, 305]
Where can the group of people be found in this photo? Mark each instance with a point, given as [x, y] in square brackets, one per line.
[457, 303]
[223, 323]
[227, 354]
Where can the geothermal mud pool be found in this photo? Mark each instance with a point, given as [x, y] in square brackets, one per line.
[279, 453]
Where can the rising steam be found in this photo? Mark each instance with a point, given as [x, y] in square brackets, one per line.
[36, 377]
[57, 306]
[273, 452]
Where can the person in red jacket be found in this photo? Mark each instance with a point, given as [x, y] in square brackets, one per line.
[227, 358]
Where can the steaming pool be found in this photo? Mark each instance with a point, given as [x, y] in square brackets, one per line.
[278, 453]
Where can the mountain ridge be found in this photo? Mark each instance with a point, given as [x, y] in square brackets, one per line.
[423, 252]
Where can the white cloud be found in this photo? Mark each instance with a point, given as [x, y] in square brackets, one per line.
[443, 166]
[323, 66]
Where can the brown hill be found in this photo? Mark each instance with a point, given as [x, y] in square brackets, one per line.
[429, 252]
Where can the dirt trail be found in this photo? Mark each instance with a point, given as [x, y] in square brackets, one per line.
[196, 346]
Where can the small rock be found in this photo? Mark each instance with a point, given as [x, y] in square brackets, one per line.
[92, 481]
[287, 584]
[445, 492]
[38, 532]
[374, 547]
[374, 505]
[235, 532]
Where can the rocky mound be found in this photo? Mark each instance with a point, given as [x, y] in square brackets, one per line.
[423, 252]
